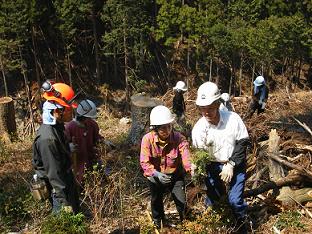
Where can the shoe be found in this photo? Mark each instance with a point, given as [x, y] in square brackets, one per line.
[157, 223]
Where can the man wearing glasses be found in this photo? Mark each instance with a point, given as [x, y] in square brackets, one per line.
[226, 133]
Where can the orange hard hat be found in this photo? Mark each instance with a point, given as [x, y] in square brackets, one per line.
[60, 93]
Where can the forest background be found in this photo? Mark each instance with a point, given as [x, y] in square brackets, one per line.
[141, 45]
[100, 47]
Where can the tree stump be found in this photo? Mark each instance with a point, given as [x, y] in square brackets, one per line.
[7, 119]
[141, 106]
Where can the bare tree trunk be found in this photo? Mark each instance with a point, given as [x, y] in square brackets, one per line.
[188, 56]
[4, 77]
[35, 55]
[252, 78]
[299, 70]
[210, 69]
[231, 80]
[69, 68]
[32, 123]
[115, 64]
[126, 64]
[240, 76]
[96, 47]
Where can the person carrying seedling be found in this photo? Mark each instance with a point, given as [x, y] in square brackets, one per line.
[165, 159]
[259, 97]
[178, 104]
[51, 154]
[83, 134]
[228, 136]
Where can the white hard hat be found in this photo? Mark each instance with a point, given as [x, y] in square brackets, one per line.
[180, 86]
[207, 93]
[86, 108]
[160, 115]
[225, 97]
[259, 81]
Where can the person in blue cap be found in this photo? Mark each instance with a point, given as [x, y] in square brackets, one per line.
[259, 98]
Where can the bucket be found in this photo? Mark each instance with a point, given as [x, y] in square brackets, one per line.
[39, 190]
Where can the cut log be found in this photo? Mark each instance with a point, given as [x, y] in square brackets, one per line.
[299, 195]
[276, 170]
[7, 119]
[141, 106]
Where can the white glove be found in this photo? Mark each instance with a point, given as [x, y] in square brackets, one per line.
[73, 147]
[193, 168]
[263, 105]
[227, 173]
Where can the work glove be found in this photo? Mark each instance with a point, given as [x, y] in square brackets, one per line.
[263, 105]
[193, 168]
[260, 102]
[73, 147]
[163, 178]
[227, 173]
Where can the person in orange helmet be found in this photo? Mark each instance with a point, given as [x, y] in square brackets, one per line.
[51, 153]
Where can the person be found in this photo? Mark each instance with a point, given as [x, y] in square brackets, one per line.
[225, 102]
[165, 159]
[51, 155]
[226, 135]
[83, 134]
[178, 104]
[259, 98]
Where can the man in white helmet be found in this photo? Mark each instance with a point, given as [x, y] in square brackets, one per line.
[165, 159]
[259, 97]
[226, 133]
[83, 134]
[178, 104]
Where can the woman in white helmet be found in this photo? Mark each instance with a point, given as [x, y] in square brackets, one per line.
[165, 159]
[178, 104]
[83, 135]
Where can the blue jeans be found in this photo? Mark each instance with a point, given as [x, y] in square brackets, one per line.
[216, 188]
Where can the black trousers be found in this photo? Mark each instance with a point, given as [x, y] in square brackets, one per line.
[253, 106]
[177, 189]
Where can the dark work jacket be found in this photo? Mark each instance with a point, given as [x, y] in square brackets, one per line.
[178, 104]
[51, 160]
[261, 93]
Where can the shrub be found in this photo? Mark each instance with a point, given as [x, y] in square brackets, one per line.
[201, 158]
[13, 206]
[64, 222]
[289, 219]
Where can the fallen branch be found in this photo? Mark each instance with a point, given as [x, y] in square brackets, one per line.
[288, 180]
[305, 127]
[301, 170]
